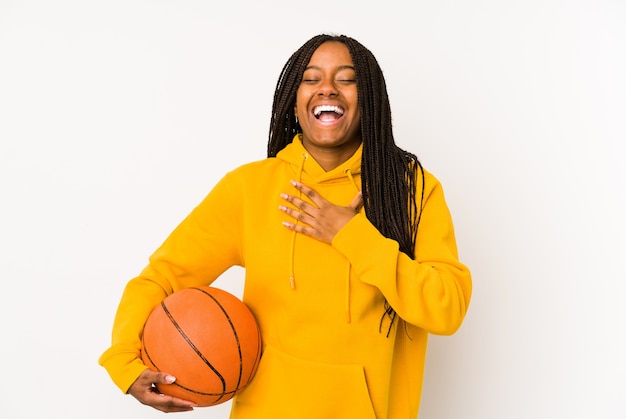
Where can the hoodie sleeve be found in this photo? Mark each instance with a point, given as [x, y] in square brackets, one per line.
[431, 292]
[204, 245]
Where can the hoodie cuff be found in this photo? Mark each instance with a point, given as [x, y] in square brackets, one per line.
[124, 367]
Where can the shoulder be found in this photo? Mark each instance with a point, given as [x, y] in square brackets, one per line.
[254, 171]
[255, 167]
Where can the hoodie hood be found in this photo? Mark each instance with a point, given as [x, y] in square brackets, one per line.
[308, 171]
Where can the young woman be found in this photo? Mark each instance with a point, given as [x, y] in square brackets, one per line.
[348, 248]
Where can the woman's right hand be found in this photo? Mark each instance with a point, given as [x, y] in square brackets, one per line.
[143, 389]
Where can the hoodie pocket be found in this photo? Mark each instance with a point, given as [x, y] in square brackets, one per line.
[287, 387]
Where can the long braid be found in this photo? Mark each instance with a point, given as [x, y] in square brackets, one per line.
[283, 123]
[389, 174]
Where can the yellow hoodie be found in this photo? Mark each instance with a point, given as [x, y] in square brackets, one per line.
[319, 306]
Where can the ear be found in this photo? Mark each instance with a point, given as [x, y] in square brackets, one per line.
[295, 113]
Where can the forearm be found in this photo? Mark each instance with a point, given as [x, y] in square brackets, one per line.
[431, 291]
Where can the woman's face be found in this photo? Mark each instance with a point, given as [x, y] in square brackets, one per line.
[327, 102]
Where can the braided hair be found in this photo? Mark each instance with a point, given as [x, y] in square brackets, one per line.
[391, 206]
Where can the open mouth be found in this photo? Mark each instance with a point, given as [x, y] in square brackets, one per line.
[328, 112]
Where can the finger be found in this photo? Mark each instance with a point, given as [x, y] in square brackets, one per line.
[164, 378]
[299, 228]
[298, 203]
[149, 377]
[310, 193]
[167, 403]
[144, 390]
[300, 216]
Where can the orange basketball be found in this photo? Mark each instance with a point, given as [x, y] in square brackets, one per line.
[208, 339]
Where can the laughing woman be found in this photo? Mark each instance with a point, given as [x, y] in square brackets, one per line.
[348, 248]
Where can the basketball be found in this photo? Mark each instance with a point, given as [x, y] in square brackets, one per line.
[208, 339]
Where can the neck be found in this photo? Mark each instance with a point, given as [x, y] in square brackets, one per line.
[330, 158]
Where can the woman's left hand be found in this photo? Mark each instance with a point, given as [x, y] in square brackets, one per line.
[321, 221]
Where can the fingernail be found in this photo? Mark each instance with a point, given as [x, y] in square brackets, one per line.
[293, 182]
[283, 195]
[170, 379]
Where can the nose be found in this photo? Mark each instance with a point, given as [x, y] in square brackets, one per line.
[328, 87]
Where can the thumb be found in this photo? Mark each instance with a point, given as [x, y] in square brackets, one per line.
[357, 202]
[164, 378]
[159, 377]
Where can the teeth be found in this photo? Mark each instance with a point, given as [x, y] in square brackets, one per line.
[327, 108]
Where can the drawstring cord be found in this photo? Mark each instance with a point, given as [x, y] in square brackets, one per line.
[349, 173]
[348, 266]
[292, 279]
[347, 304]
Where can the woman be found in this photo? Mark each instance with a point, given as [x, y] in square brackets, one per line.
[348, 248]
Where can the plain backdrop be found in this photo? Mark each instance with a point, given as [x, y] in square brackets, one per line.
[117, 117]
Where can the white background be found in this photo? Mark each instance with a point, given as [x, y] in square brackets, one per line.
[117, 117]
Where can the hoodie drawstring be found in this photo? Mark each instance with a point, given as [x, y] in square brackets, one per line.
[347, 303]
[349, 173]
[292, 252]
[349, 267]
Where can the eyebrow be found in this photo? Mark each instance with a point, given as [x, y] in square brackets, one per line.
[341, 67]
